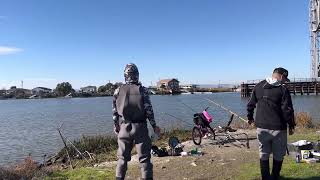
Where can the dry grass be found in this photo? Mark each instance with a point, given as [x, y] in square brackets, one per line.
[304, 120]
[8, 173]
[238, 124]
[99, 144]
[27, 169]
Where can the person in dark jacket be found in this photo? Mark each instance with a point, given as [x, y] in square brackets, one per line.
[274, 114]
[131, 108]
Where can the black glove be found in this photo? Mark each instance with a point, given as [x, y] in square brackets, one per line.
[250, 120]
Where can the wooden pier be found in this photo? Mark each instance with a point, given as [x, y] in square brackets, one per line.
[304, 86]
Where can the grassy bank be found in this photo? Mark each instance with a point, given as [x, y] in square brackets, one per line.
[83, 174]
[27, 169]
[306, 130]
[291, 169]
[246, 169]
[103, 148]
[97, 145]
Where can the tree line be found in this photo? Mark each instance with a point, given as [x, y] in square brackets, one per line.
[65, 88]
[61, 90]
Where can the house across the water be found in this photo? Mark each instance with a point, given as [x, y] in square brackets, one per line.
[88, 89]
[189, 86]
[18, 92]
[40, 91]
[171, 85]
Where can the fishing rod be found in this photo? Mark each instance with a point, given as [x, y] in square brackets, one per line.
[65, 140]
[80, 153]
[226, 109]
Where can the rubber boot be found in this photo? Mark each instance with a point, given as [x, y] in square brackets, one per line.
[119, 178]
[276, 168]
[147, 179]
[265, 169]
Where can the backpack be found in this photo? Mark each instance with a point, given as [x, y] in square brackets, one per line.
[158, 152]
[175, 147]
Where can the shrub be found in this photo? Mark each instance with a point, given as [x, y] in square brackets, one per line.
[7, 173]
[93, 144]
[304, 120]
[27, 169]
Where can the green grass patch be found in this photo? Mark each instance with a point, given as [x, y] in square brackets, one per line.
[93, 144]
[83, 174]
[290, 170]
[102, 148]
[304, 134]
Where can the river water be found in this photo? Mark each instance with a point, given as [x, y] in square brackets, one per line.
[30, 126]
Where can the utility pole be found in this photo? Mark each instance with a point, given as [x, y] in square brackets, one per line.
[314, 20]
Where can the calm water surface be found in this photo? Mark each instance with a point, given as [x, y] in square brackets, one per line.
[30, 126]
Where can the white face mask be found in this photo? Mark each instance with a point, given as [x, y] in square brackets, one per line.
[273, 81]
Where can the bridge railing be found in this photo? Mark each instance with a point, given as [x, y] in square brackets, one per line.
[305, 79]
[256, 81]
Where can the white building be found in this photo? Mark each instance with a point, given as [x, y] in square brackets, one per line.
[41, 91]
[188, 86]
[89, 89]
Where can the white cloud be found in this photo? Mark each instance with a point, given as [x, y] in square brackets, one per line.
[5, 50]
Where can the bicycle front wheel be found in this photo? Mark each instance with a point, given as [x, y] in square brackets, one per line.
[196, 135]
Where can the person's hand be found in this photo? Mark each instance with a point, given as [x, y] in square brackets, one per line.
[157, 130]
[291, 131]
[116, 128]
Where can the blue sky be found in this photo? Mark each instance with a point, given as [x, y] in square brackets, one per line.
[89, 42]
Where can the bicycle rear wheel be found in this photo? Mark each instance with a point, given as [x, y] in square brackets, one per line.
[196, 135]
[212, 132]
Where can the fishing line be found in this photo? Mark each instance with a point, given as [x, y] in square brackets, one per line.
[226, 109]
[188, 106]
[188, 123]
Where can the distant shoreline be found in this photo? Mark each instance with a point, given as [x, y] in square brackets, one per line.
[105, 95]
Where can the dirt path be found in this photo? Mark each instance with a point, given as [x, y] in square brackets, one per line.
[216, 163]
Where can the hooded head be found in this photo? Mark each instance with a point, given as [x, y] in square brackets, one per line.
[131, 74]
[282, 74]
[279, 77]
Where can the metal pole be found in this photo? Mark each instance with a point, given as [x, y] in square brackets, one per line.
[314, 13]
